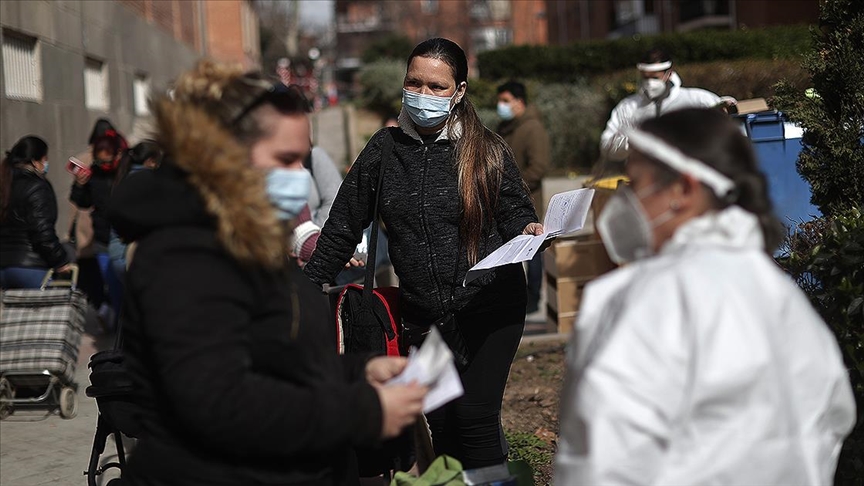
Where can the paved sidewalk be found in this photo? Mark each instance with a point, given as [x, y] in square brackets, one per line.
[38, 447]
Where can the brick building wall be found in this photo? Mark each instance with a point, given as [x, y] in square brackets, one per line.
[530, 22]
[223, 17]
[230, 26]
[572, 21]
[237, 26]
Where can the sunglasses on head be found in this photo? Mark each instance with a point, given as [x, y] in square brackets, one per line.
[273, 89]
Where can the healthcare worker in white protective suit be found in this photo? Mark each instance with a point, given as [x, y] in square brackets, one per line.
[699, 362]
[660, 92]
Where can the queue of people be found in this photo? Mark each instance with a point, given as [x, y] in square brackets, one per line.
[696, 362]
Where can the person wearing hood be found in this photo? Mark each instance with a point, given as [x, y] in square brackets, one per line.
[700, 361]
[29, 246]
[451, 194]
[82, 231]
[92, 189]
[236, 375]
[522, 128]
[660, 92]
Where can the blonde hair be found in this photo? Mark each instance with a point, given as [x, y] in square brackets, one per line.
[224, 91]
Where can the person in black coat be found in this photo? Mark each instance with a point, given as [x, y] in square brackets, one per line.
[228, 343]
[451, 195]
[93, 190]
[29, 246]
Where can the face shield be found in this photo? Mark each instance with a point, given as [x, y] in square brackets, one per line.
[626, 230]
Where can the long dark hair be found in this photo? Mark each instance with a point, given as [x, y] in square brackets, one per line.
[479, 151]
[25, 151]
[709, 136]
[137, 155]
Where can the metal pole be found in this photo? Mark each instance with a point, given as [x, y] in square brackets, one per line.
[202, 27]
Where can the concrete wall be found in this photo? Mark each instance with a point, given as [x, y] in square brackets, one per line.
[68, 31]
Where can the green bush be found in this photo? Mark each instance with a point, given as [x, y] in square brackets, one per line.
[826, 258]
[590, 58]
[832, 115]
[483, 93]
[575, 115]
[381, 85]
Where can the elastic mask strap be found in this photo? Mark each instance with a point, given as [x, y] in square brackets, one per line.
[647, 192]
[674, 158]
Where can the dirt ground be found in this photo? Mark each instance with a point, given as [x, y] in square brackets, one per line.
[531, 404]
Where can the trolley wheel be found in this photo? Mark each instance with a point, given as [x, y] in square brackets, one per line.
[68, 402]
[6, 393]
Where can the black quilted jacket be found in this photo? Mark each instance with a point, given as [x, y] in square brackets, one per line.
[27, 236]
[96, 194]
[420, 206]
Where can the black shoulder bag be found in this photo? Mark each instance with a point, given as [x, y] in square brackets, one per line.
[367, 318]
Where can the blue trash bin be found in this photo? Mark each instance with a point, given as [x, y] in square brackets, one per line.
[777, 144]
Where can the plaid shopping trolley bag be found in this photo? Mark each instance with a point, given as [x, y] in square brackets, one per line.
[40, 332]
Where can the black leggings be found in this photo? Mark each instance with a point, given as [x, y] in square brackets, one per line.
[469, 428]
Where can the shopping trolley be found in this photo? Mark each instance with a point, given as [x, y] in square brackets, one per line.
[40, 332]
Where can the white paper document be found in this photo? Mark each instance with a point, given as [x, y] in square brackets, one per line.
[566, 213]
[432, 366]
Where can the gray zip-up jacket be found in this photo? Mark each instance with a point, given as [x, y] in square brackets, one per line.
[421, 208]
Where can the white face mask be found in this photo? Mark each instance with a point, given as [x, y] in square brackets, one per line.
[505, 111]
[625, 228]
[427, 110]
[654, 88]
[288, 190]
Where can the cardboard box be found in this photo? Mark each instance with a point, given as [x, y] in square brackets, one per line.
[568, 258]
[564, 294]
[756, 105]
[562, 322]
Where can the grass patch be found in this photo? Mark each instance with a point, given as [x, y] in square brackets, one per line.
[529, 448]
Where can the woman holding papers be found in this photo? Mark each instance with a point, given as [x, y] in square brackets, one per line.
[699, 362]
[225, 340]
[451, 195]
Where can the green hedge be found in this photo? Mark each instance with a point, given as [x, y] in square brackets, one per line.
[587, 59]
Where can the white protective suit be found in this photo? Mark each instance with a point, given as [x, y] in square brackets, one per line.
[711, 368]
[636, 108]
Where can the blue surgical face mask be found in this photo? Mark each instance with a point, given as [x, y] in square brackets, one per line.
[426, 110]
[288, 190]
[505, 111]
[44, 166]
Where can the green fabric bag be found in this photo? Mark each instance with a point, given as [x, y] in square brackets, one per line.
[444, 471]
